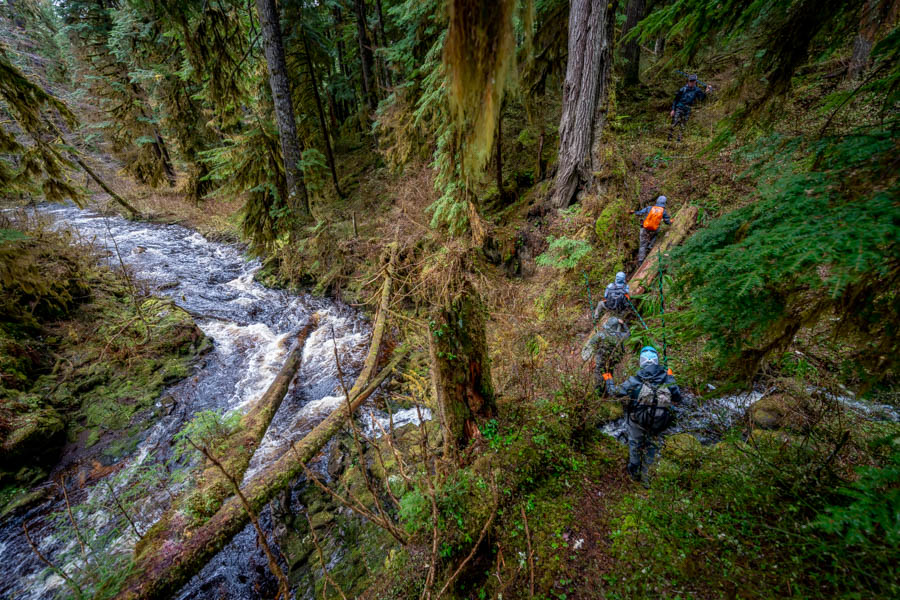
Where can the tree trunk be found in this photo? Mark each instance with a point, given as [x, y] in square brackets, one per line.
[284, 109]
[875, 13]
[659, 46]
[460, 370]
[384, 43]
[682, 224]
[634, 12]
[329, 155]
[584, 95]
[365, 55]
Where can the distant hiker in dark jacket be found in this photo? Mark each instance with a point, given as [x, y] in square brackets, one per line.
[653, 216]
[681, 106]
[606, 346]
[652, 391]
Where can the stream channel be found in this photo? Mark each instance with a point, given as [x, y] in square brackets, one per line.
[252, 329]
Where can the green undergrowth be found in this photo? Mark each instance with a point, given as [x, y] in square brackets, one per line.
[85, 355]
[807, 512]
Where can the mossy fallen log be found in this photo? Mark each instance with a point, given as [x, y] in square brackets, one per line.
[682, 223]
[166, 560]
[213, 486]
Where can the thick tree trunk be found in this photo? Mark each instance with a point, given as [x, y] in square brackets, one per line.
[584, 95]
[365, 55]
[460, 370]
[284, 108]
[329, 155]
[634, 12]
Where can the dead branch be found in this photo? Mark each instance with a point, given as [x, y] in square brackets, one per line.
[284, 590]
[69, 581]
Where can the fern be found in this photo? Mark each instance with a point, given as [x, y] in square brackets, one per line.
[563, 253]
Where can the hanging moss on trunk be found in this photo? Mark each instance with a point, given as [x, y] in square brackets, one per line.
[460, 369]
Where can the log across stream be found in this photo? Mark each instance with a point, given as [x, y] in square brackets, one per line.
[253, 330]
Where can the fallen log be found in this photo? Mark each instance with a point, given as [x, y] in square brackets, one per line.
[164, 564]
[212, 485]
[682, 223]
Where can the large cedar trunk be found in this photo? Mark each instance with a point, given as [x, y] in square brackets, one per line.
[284, 108]
[460, 370]
[584, 95]
[634, 12]
[365, 55]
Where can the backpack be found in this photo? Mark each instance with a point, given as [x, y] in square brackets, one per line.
[654, 218]
[652, 409]
[616, 298]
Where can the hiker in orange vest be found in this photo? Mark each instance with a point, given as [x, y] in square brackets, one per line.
[653, 216]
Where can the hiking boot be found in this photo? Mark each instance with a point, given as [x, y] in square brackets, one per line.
[634, 471]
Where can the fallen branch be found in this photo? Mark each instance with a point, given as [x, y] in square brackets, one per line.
[284, 589]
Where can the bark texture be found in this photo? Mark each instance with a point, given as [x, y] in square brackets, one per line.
[584, 95]
[634, 12]
[873, 18]
[682, 223]
[284, 107]
[460, 370]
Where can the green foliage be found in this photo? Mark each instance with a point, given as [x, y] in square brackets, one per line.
[563, 253]
[765, 513]
[819, 239]
[870, 519]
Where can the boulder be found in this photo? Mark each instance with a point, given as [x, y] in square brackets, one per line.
[769, 412]
[36, 437]
[682, 446]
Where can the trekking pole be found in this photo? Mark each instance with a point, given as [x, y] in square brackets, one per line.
[662, 305]
[587, 284]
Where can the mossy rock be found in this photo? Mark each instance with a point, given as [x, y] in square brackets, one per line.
[35, 437]
[683, 446]
[769, 412]
[610, 411]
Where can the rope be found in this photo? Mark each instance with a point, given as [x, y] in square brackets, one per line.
[637, 314]
[662, 304]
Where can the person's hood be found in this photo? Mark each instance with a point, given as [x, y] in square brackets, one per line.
[661, 201]
[620, 278]
[653, 373]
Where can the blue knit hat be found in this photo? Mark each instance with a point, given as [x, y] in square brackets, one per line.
[648, 356]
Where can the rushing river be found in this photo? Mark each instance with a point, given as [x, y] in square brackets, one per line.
[252, 329]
